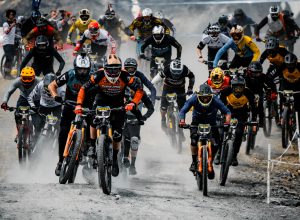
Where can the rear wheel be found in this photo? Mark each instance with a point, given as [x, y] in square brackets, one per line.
[104, 167]
[227, 162]
[268, 108]
[204, 169]
[285, 128]
[21, 145]
[70, 164]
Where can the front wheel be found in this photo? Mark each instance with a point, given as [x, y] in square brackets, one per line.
[250, 140]
[226, 160]
[285, 128]
[204, 169]
[268, 108]
[21, 145]
[104, 167]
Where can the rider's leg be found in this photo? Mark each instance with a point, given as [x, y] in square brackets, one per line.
[9, 51]
[238, 140]
[194, 148]
[134, 142]
[163, 108]
[261, 112]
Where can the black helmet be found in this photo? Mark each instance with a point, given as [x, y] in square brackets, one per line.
[238, 12]
[49, 78]
[238, 85]
[290, 61]
[223, 20]
[255, 69]
[110, 14]
[272, 43]
[130, 65]
[41, 42]
[205, 95]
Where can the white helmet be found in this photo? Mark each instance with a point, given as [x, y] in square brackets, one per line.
[82, 65]
[147, 12]
[159, 15]
[274, 12]
[176, 68]
[214, 32]
[84, 16]
[158, 33]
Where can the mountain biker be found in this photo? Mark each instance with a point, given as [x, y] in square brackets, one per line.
[43, 57]
[112, 24]
[289, 75]
[224, 25]
[244, 48]
[80, 25]
[130, 65]
[131, 132]
[100, 40]
[292, 30]
[218, 80]
[47, 104]
[206, 106]
[73, 79]
[111, 85]
[214, 40]
[160, 15]
[257, 82]
[43, 28]
[174, 82]
[25, 83]
[238, 98]
[30, 23]
[276, 24]
[161, 47]
[144, 25]
[274, 53]
[9, 30]
[241, 19]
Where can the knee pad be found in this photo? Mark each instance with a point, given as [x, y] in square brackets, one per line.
[117, 136]
[194, 139]
[134, 143]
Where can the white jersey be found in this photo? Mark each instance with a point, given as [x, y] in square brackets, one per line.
[46, 100]
[215, 44]
[274, 26]
[103, 39]
[8, 38]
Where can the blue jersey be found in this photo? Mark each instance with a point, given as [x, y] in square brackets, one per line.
[202, 114]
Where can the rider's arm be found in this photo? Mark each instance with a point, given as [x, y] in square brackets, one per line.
[71, 30]
[134, 83]
[81, 41]
[158, 78]
[15, 85]
[221, 51]
[253, 47]
[252, 105]
[113, 44]
[191, 77]
[149, 106]
[60, 81]
[263, 56]
[87, 86]
[149, 40]
[148, 84]
[270, 83]
[130, 29]
[187, 106]
[260, 26]
[27, 59]
[35, 94]
[59, 59]
[177, 45]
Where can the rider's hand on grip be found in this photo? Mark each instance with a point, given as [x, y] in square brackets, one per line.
[132, 38]
[4, 106]
[129, 107]
[78, 110]
[58, 99]
[182, 123]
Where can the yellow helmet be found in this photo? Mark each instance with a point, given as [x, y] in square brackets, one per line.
[217, 76]
[27, 75]
[84, 16]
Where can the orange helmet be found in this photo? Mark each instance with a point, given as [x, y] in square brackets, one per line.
[217, 77]
[94, 28]
[27, 75]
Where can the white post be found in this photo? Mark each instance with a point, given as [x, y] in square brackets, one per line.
[268, 174]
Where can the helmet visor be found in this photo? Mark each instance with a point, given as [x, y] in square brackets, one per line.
[84, 17]
[113, 71]
[109, 16]
[147, 19]
[217, 79]
[42, 46]
[158, 36]
[274, 16]
[82, 71]
[27, 79]
[238, 88]
[205, 99]
[130, 69]
[236, 36]
[214, 34]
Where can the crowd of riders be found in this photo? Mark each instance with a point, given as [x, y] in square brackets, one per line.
[230, 88]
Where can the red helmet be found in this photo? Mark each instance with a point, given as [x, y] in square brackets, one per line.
[94, 28]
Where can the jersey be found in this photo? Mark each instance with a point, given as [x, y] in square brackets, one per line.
[17, 84]
[171, 82]
[276, 60]
[79, 26]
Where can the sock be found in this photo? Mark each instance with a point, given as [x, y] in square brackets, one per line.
[195, 159]
[115, 154]
[133, 159]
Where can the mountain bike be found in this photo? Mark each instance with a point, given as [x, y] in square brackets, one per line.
[204, 155]
[25, 136]
[289, 122]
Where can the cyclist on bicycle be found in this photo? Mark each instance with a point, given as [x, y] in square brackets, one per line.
[25, 83]
[111, 84]
[43, 57]
[80, 25]
[130, 65]
[73, 79]
[161, 47]
[243, 46]
[274, 53]
[144, 25]
[100, 39]
[257, 82]
[47, 104]
[238, 98]
[174, 82]
[289, 75]
[44, 28]
[30, 23]
[214, 40]
[217, 80]
[206, 106]
[224, 25]
[9, 29]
